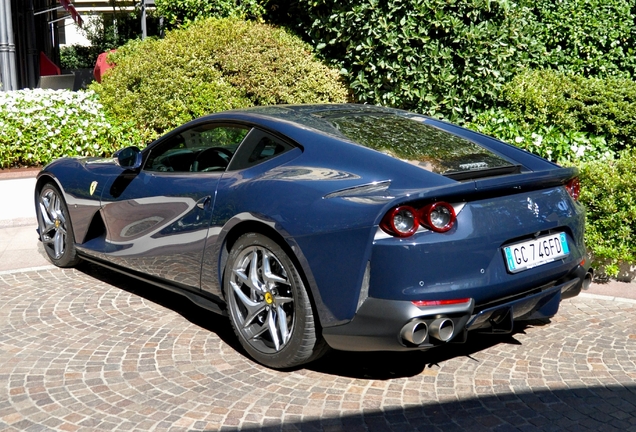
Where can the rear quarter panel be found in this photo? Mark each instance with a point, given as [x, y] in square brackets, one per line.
[332, 237]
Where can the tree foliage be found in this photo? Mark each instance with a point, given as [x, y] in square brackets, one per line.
[105, 32]
[180, 12]
[439, 57]
[593, 38]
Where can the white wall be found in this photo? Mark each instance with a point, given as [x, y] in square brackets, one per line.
[75, 35]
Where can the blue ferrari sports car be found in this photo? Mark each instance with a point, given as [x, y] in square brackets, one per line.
[354, 227]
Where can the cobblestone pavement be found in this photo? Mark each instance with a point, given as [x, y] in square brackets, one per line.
[91, 350]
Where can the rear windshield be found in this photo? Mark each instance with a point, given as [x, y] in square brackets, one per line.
[418, 143]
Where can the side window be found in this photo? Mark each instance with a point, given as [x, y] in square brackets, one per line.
[203, 148]
[258, 147]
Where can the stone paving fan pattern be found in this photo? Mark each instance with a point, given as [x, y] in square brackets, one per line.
[92, 350]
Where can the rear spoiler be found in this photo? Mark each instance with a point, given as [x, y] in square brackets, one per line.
[489, 187]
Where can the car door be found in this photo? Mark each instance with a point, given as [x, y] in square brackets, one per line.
[157, 218]
[244, 189]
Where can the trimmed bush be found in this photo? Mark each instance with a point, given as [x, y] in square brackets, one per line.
[608, 193]
[41, 125]
[214, 65]
[598, 107]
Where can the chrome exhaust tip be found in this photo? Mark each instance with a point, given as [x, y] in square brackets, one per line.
[414, 332]
[587, 280]
[442, 329]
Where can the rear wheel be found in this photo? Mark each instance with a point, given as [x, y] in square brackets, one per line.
[268, 305]
[56, 231]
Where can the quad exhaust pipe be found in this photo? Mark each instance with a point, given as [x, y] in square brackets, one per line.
[442, 329]
[587, 280]
[416, 331]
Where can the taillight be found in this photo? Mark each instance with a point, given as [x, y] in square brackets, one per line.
[574, 188]
[403, 221]
[439, 216]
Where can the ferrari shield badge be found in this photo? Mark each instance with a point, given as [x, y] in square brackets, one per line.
[93, 187]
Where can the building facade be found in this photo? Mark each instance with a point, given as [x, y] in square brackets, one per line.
[31, 32]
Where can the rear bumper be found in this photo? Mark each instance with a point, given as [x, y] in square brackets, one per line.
[394, 325]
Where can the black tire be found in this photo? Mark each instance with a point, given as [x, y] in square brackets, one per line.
[56, 230]
[268, 304]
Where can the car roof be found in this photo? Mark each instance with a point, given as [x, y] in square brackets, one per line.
[316, 115]
[410, 137]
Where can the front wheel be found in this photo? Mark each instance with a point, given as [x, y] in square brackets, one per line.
[268, 305]
[55, 227]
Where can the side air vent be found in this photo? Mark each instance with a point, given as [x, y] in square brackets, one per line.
[96, 228]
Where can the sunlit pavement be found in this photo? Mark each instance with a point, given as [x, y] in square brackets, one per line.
[89, 349]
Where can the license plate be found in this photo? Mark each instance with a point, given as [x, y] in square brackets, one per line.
[536, 252]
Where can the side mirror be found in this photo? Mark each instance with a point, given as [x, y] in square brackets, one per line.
[128, 158]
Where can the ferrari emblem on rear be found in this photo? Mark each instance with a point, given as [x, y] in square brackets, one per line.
[93, 187]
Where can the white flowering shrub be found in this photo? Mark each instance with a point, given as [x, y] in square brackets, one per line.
[40, 125]
[561, 146]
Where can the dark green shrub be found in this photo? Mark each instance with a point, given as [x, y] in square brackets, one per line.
[600, 107]
[77, 57]
[608, 194]
[213, 65]
[586, 37]
[440, 57]
[451, 57]
[179, 12]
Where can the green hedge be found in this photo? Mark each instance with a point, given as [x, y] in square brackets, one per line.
[214, 65]
[180, 12]
[447, 58]
[608, 194]
[439, 57]
[600, 107]
[592, 38]
[78, 57]
[41, 125]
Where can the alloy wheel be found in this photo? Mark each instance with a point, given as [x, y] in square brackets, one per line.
[53, 226]
[262, 299]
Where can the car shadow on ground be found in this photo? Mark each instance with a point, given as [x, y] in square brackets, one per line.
[360, 365]
[607, 408]
[391, 365]
[213, 322]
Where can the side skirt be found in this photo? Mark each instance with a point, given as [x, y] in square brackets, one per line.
[213, 305]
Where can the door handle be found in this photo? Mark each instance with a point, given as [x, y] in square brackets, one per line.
[204, 202]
